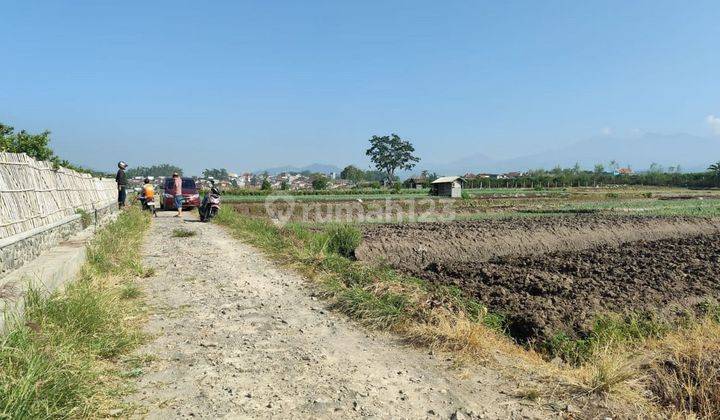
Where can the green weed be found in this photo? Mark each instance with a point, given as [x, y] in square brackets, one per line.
[86, 219]
[343, 239]
[183, 233]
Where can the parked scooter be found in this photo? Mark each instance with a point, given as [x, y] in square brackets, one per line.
[149, 205]
[210, 206]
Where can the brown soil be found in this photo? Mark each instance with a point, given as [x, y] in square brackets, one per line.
[557, 275]
[565, 291]
[420, 244]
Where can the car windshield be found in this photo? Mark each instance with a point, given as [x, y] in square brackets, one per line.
[187, 184]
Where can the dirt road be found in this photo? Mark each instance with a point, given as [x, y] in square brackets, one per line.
[235, 336]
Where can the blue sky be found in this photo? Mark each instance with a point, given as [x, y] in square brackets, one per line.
[252, 84]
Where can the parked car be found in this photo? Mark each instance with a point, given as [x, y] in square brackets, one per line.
[189, 191]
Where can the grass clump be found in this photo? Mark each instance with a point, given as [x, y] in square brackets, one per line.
[343, 239]
[183, 233]
[610, 330]
[56, 360]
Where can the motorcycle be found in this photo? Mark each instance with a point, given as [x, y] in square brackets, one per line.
[210, 205]
[149, 205]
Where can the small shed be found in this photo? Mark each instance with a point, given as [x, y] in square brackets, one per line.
[417, 183]
[448, 186]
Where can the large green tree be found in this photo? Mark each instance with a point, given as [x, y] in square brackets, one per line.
[319, 182]
[390, 153]
[352, 173]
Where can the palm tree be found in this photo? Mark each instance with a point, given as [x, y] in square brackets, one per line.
[614, 165]
[715, 168]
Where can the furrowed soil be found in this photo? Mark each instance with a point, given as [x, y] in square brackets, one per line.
[419, 244]
[234, 336]
[659, 266]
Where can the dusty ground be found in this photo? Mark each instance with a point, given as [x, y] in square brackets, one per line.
[237, 337]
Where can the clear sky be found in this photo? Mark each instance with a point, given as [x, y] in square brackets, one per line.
[252, 84]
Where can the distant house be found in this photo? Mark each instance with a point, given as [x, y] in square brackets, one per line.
[448, 186]
[417, 182]
[623, 171]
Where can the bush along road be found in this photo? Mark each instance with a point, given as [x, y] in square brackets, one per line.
[237, 335]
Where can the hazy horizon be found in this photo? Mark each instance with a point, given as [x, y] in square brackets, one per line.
[250, 85]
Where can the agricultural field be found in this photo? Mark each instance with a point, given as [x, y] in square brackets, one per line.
[550, 276]
[615, 288]
[481, 204]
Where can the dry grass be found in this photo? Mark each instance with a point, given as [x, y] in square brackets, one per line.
[685, 371]
[450, 332]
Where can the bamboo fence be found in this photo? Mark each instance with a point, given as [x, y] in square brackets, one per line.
[33, 194]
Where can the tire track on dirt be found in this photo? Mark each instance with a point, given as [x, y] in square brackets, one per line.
[236, 337]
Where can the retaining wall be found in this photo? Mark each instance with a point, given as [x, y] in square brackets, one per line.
[39, 206]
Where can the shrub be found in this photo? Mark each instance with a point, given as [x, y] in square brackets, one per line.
[343, 239]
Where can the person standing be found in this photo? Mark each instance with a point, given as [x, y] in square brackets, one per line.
[121, 180]
[179, 199]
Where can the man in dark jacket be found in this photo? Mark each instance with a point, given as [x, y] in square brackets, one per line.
[121, 180]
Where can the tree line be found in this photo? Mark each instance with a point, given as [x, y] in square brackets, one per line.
[37, 146]
[576, 177]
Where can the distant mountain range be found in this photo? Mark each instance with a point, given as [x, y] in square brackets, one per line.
[692, 153]
[315, 168]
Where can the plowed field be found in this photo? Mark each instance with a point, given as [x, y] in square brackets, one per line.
[550, 275]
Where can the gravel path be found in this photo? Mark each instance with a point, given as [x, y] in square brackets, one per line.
[235, 336]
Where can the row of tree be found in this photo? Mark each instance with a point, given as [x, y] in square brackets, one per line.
[568, 177]
[164, 169]
[37, 146]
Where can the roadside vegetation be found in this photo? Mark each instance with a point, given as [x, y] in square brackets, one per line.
[63, 357]
[37, 146]
[636, 364]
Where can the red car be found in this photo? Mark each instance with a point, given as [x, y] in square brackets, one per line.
[189, 191]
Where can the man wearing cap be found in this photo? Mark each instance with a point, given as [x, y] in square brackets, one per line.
[121, 180]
